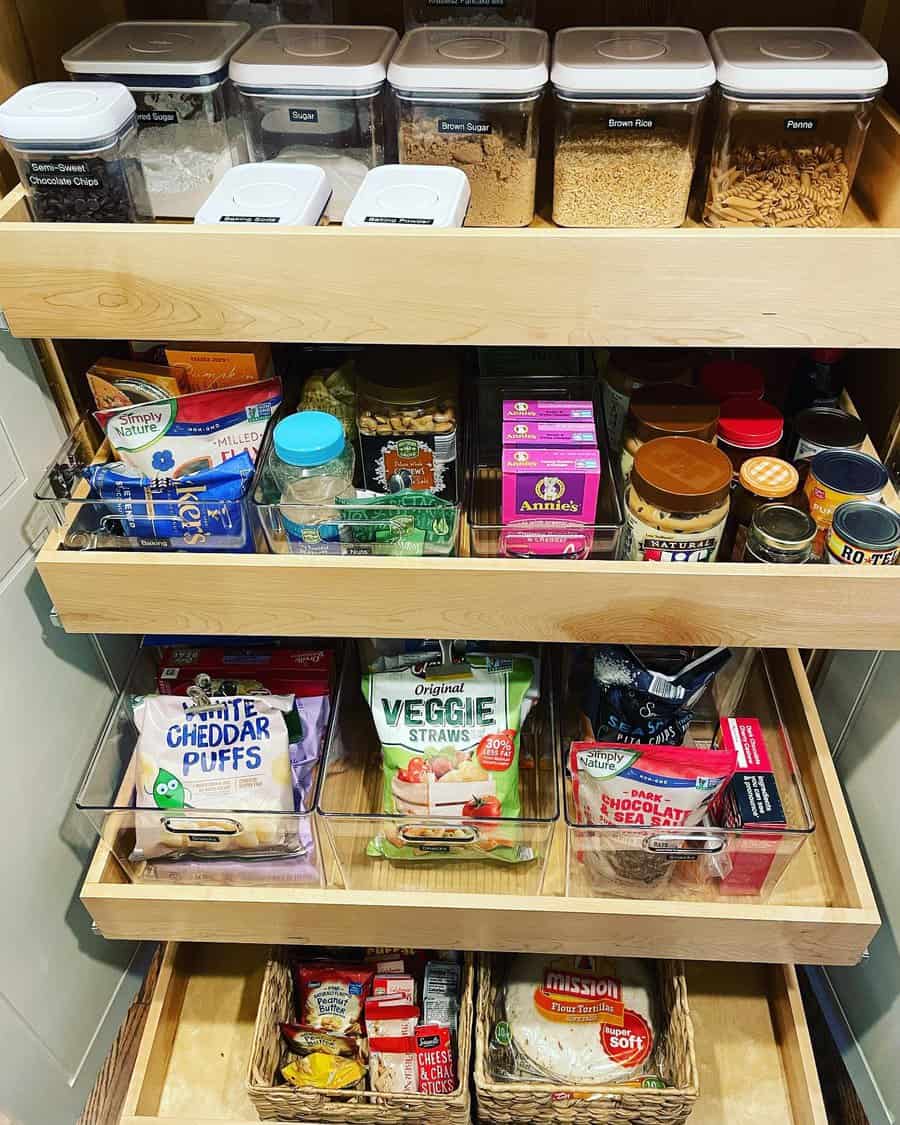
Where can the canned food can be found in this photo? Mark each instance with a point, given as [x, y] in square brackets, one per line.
[836, 477]
[864, 534]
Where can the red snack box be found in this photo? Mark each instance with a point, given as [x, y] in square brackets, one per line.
[751, 800]
[244, 663]
[394, 985]
[434, 1055]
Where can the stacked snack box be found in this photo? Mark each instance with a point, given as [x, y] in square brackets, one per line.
[551, 476]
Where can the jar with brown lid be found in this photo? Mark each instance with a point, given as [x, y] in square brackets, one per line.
[631, 368]
[760, 481]
[666, 410]
[677, 502]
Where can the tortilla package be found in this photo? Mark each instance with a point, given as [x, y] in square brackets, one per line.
[232, 757]
[450, 749]
[575, 1021]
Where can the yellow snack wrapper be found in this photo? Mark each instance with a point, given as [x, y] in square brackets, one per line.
[326, 1072]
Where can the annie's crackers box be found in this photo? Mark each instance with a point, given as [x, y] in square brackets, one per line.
[751, 800]
[550, 485]
[547, 410]
[526, 434]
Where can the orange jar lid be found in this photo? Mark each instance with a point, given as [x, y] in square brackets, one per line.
[770, 477]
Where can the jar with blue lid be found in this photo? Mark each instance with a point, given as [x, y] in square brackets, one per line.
[308, 467]
[189, 130]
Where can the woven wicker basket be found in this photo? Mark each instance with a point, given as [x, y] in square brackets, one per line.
[500, 1103]
[275, 1100]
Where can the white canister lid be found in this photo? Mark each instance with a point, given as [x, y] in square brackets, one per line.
[314, 56]
[501, 60]
[410, 196]
[64, 112]
[796, 60]
[632, 60]
[156, 47]
[271, 193]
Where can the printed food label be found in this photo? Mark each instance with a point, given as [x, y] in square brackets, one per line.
[157, 117]
[631, 123]
[806, 450]
[844, 553]
[303, 116]
[399, 221]
[800, 124]
[570, 997]
[249, 219]
[648, 544]
[628, 1044]
[455, 127]
[65, 174]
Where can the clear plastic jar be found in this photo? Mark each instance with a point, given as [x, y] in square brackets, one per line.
[189, 131]
[628, 107]
[469, 99]
[407, 416]
[317, 95]
[75, 149]
[794, 111]
[631, 368]
[677, 502]
[309, 465]
[470, 13]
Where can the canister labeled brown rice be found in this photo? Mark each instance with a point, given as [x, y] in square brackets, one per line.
[629, 104]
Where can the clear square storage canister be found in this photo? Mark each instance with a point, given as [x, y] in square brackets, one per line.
[469, 98]
[316, 95]
[628, 107]
[794, 109]
[471, 13]
[189, 134]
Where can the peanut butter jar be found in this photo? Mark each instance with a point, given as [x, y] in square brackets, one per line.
[677, 501]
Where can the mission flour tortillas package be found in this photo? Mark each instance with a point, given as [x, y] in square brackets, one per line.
[575, 1020]
[175, 437]
[233, 757]
[450, 749]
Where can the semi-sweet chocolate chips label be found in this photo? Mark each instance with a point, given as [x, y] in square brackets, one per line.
[64, 174]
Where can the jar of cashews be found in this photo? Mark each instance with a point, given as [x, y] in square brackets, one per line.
[794, 110]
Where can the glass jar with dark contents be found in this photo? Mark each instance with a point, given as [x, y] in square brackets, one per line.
[761, 480]
[780, 534]
[749, 428]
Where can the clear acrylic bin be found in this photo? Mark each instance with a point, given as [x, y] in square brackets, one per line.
[794, 110]
[316, 94]
[628, 107]
[488, 536]
[469, 99]
[700, 863]
[220, 847]
[90, 524]
[469, 13]
[261, 13]
[350, 800]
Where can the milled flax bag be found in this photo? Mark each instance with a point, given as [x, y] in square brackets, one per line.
[450, 748]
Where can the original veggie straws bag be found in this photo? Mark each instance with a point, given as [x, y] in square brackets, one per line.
[450, 748]
[232, 757]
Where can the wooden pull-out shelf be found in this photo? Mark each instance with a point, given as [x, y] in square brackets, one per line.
[753, 1047]
[542, 285]
[822, 911]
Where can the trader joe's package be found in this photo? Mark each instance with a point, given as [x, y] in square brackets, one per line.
[232, 756]
[450, 749]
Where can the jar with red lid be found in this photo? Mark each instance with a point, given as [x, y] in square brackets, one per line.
[748, 428]
[723, 379]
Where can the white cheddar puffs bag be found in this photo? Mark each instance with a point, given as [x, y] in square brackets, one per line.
[233, 759]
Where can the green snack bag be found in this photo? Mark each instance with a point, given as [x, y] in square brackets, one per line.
[423, 522]
[450, 748]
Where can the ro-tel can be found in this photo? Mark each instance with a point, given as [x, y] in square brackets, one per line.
[864, 534]
[836, 476]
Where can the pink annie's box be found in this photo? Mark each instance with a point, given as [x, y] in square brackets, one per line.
[549, 435]
[550, 485]
[547, 410]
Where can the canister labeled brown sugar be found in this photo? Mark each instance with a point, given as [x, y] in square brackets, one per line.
[677, 501]
[666, 410]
